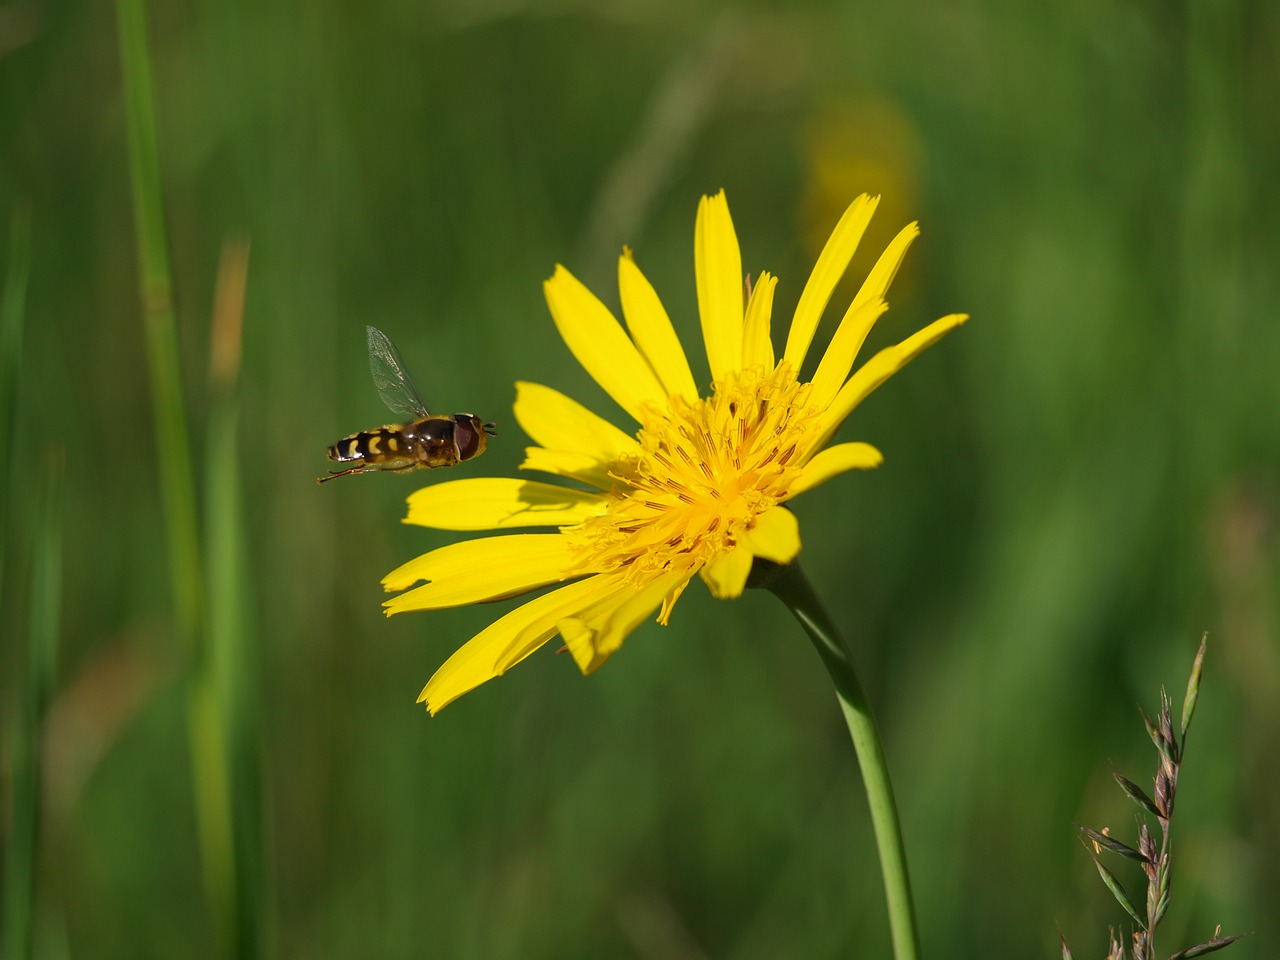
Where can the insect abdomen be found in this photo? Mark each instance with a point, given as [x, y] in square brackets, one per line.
[385, 443]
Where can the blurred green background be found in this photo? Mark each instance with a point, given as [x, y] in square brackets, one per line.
[1077, 483]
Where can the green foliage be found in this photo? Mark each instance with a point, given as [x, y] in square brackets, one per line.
[1074, 483]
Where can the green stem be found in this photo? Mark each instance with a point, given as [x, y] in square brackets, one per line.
[792, 587]
[205, 715]
[177, 483]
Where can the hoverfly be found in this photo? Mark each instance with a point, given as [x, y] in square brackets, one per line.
[425, 441]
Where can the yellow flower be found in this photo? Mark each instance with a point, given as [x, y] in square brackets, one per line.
[698, 489]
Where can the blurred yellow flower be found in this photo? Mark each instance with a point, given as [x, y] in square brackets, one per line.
[853, 143]
[698, 489]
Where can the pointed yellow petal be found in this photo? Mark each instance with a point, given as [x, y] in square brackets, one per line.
[831, 265]
[833, 461]
[877, 283]
[836, 363]
[595, 338]
[652, 331]
[492, 503]
[718, 266]
[504, 643]
[593, 638]
[726, 575]
[567, 463]
[583, 594]
[669, 601]
[867, 307]
[775, 536]
[757, 346]
[476, 571]
[556, 422]
[576, 443]
[877, 370]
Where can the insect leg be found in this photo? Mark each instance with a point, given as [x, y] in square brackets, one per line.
[395, 467]
[342, 473]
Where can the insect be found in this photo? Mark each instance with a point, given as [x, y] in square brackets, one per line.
[425, 441]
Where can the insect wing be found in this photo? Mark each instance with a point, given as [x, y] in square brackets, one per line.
[394, 384]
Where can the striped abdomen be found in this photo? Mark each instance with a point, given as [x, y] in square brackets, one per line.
[373, 446]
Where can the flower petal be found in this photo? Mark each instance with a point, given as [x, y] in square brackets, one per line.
[599, 343]
[504, 643]
[592, 639]
[726, 575]
[876, 371]
[833, 461]
[877, 283]
[718, 266]
[492, 503]
[843, 349]
[775, 535]
[757, 346]
[652, 330]
[568, 463]
[476, 571]
[867, 307]
[831, 265]
[556, 422]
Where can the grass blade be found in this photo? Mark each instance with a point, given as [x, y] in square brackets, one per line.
[1114, 886]
[177, 486]
[1112, 844]
[206, 728]
[232, 674]
[1200, 949]
[13, 304]
[20, 881]
[1137, 794]
[1193, 687]
[19, 865]
[1066, 950]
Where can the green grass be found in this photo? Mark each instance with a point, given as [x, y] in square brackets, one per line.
[222, 695]
[1076, 484]
[37, 663]
[12, 316]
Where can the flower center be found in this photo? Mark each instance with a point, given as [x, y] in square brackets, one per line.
[708, 470]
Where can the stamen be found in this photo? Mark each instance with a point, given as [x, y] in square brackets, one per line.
[708, 469]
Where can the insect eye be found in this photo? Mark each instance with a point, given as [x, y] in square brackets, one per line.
[466, 437]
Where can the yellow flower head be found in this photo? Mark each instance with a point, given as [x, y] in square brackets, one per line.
[698, 489]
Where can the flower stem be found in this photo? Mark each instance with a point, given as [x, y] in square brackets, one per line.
[790, 585]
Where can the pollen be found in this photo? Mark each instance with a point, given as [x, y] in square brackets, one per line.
[709, 468]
